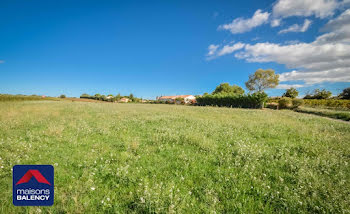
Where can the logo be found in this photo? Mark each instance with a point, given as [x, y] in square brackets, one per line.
[33, 185]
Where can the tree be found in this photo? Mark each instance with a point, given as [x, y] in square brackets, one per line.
[131, 96]
[322, 94]
[97, 97]
[262, 79]
[225, 88]
[345, 94]
[292, 93]
[118, 97]
[63, 96]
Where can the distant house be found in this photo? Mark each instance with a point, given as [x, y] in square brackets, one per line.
[109, 97]
[124, 100]
[172, 99]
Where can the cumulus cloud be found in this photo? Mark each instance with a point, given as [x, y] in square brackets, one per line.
[275, 22]
[215, 51]
[326, 59]
[297, 28]
[315, 62]
[241, 25]
[339, 30]
[227, 49]
[318, 8]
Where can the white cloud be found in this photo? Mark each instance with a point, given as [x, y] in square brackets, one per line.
[241, 25]
[327, 59]
[340, 22]
[215, 51]
[319, 8]
[227, 49]
[287, 86]
[315, 62]
[340, 30]
[297, 28]
[2, 61]
[275, 22]
[212, 49]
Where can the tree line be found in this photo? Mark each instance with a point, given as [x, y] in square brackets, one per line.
[235, 96]
[111, 98]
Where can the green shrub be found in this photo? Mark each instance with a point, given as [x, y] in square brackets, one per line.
[345, 94]
[63, 96]
[292, 93]
[255, 100]
[285, 102]
[319, 94]
[328, 103]
[272, 105]
[297, 102]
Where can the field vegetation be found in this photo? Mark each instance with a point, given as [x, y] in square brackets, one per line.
[143, 158]
[20, 97]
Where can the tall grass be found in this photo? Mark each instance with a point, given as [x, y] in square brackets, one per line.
[141, 158]
[10, 97]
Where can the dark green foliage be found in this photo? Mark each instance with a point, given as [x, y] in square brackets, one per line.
[225, 88]
[284, 103]
[63, 96]
[131, 96]
[111, 99]
[326, 113]
[118, 97]
[292, 93]
[86, 96]
[255, 100]
[296, 103]
[319, 94]
[328, 103]
[345, 94]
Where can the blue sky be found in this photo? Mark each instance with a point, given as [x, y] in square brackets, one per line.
[152, 48]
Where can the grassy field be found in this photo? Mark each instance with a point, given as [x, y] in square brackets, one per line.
[331, 113]
[143, 158]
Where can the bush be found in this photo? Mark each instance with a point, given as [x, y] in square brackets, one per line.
[63, 96]
[345, 94]
[285, 102]
[319, 94]
[255, 100]
[297, 102]
[292, 93]
[328, 103]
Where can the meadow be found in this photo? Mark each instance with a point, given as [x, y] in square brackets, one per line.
[144, 158]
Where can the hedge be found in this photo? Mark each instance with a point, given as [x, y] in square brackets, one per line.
[326, 103]
[255, 100]
[333, 103]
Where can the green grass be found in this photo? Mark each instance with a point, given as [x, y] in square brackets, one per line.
[142, 158]
[331, 113]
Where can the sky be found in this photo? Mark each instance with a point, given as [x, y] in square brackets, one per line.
[153, 48]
